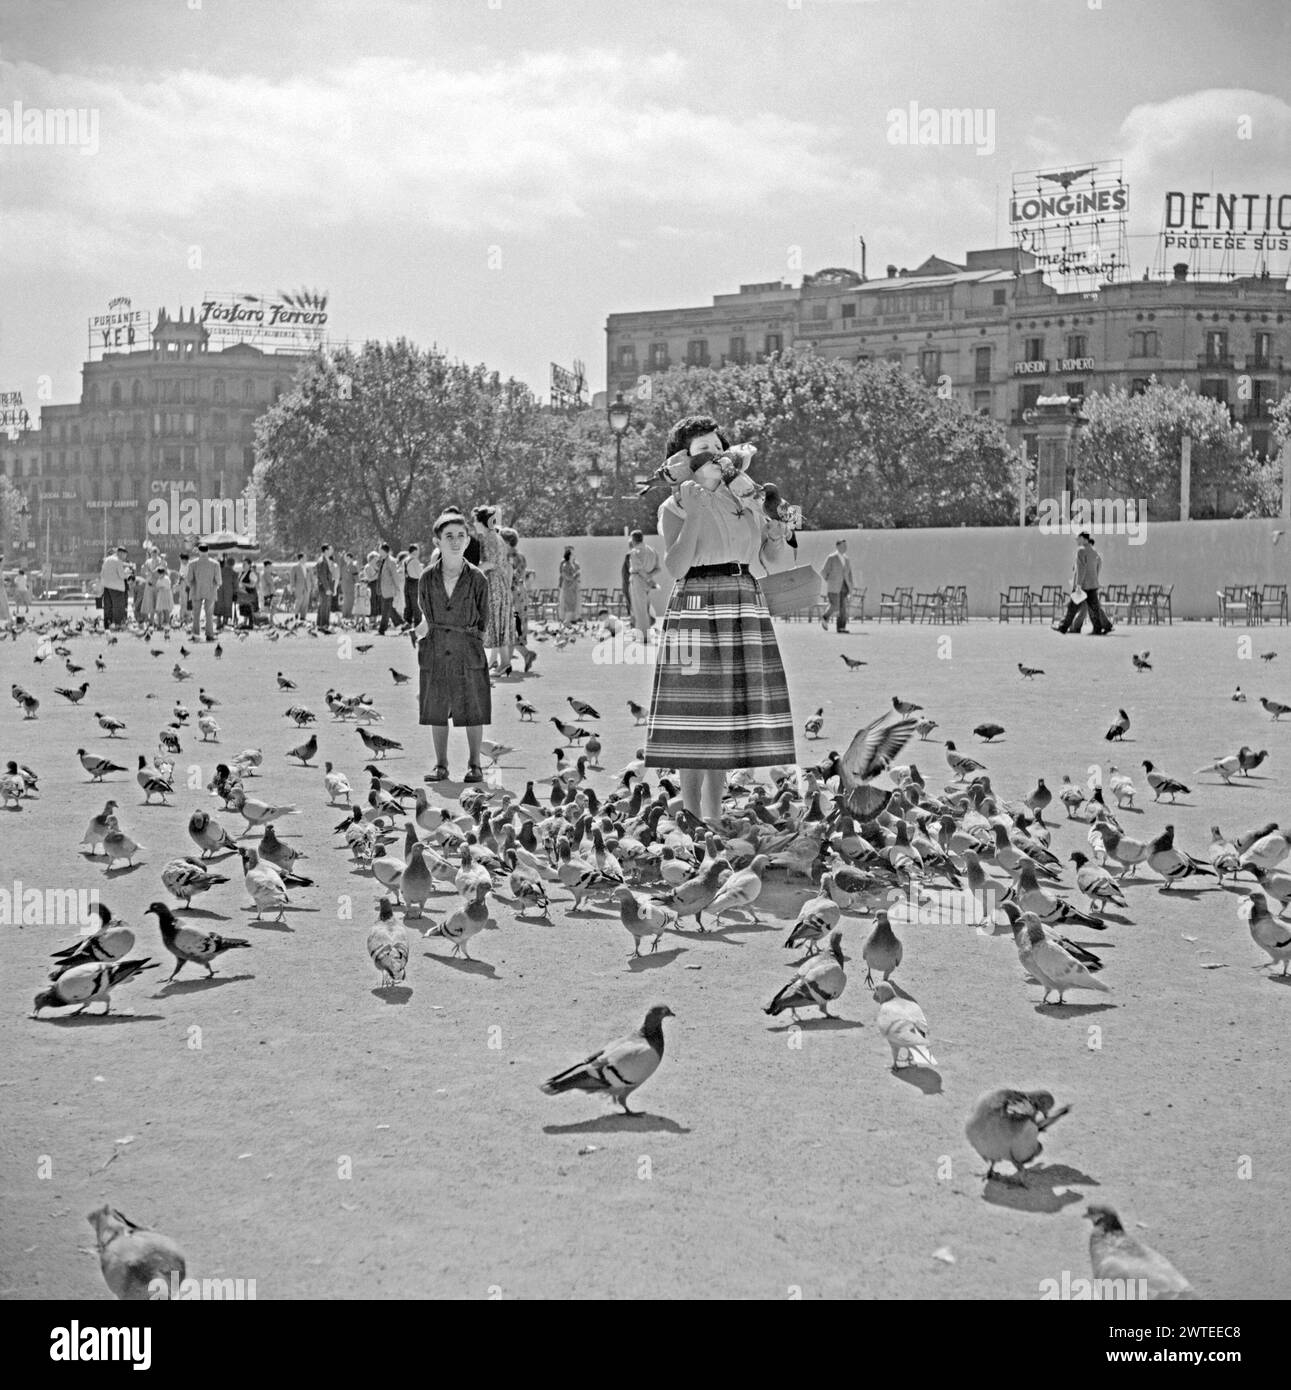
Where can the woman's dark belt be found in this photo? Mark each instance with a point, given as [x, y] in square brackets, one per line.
[455, 627]
[706, 571]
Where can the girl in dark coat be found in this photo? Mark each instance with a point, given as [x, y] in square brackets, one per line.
[453, 600]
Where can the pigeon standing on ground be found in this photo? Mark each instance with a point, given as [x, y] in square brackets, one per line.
[83, 984]
[903, 1027]
[820, 980]
[1115, 1254]
[1162, 785]
[1120, 726]
[388, 946]
[191, 945]
[619, 1068]
[882, 950]
[1007, 1124]
[1053, 967]
[1271, 937]
[138, 1265]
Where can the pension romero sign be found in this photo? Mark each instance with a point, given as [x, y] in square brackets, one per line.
[264, 321]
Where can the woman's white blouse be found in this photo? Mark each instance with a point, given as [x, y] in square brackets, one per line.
[714, 528]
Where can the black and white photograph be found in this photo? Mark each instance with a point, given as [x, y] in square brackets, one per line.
[538, 543]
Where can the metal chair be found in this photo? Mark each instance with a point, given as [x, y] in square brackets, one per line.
[930, 607]
[1141, 605]
[1050, 602]
[897, 604]
[1160, 594]
[1114, 599]
[1272, 603]
[1235, 603]
[1017, 602]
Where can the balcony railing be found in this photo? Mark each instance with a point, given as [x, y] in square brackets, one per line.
[1262, 363]
[1216, 361]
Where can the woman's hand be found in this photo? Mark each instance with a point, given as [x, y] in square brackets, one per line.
[422, 630]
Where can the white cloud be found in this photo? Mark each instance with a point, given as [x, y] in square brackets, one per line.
[510, 148]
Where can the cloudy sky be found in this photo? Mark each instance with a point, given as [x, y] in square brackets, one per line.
[498, 175]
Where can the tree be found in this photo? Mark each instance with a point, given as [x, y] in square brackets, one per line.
[372, 445]
[11, 501]
[868, 445]
[1132, 448]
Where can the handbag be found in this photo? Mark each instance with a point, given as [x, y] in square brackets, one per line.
[790, 591]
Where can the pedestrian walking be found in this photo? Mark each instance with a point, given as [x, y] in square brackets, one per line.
[643, 567]
[837, 575]
[228, 587]
[113, 583]
[21, 592]
[387, 585]
[720, 699]
[412, 568]
[204, 579]
[568, 580]
[1085, 582]
[519, 594]
[349, 583]
[453, 600]
[163, 600]
[326, 580]
[495, 565]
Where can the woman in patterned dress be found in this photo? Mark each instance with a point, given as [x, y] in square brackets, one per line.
[720, 699]
[569, 607]
[495, 564]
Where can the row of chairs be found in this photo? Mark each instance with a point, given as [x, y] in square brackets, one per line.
[949, 604]
[1148, 603]
[1249, 604]
[544, 604]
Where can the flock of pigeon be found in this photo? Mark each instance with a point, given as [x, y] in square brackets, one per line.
[958, 844]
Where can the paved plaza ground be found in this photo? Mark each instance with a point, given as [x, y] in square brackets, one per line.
[329, 1142]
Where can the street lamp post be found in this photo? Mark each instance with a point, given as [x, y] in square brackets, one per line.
[620, 418]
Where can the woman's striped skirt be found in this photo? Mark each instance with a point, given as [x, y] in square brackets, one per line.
[720, 698]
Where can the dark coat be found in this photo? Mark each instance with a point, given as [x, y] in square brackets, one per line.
[453, 667]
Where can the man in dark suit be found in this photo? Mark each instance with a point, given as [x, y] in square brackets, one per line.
[325, 574]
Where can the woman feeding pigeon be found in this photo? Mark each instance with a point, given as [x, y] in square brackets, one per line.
[453, 600]
[720, 699]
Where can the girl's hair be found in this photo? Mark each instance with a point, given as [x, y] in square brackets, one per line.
[484, 515]
[569, 550]
[510, 535]
[447, 519]
[688, 428]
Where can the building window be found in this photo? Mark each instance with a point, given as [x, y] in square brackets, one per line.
[1263, 395]
[1260, 444]
[190, 456]
[895, 356]
[999, 297]
[76, 434]
[1139, 385]
[697, 352]
[190, 388]
[982, 366]
[628, 357]
[1035, 349]
[1215, 387]
[930, 365]
[248, 458]
[1260, 355]
[190, 422]
[820, 311]
[982, 402]
[774, 343]
[248, 390]
[217, 457]
[1143, 343]
[217, 392]
[1217, 346]
[1030, 395]
[735, 351]
[219, 422]
[1076, 389]
[849, 310]
[658, 357]
[1077, 345]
